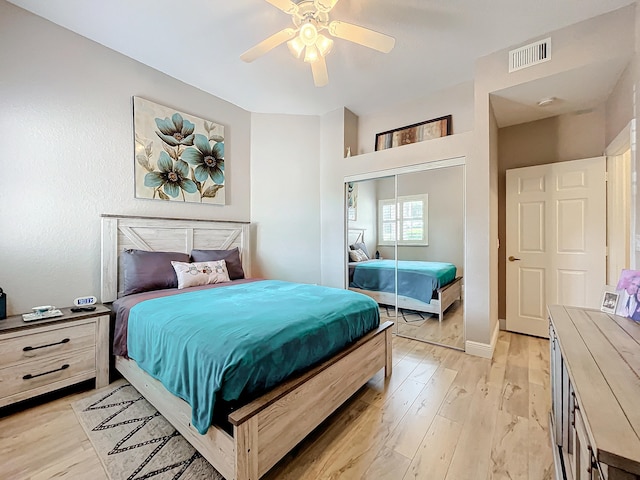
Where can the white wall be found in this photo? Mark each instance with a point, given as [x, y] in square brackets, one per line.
[67, 157]
[285, 197]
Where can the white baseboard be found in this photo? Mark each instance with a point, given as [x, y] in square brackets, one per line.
[484, 350]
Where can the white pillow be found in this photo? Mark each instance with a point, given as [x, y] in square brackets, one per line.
[358, 255]
[200, 273]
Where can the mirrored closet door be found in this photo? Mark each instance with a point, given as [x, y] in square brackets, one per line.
[405, 249]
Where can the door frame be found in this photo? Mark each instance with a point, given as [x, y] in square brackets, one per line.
[622, 143]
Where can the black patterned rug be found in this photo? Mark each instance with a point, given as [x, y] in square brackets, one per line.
[135, 442]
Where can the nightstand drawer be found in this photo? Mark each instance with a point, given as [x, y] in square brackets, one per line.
[59, 341]
[44, 371]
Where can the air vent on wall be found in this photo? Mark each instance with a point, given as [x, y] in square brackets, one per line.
[529, 55]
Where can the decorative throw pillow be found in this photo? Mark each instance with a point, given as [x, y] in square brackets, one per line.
[145, 271]
[358, 256]
[360, 246]
[200, 273]
[231, 257]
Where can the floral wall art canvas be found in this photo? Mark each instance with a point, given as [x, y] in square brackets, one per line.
[178, 157]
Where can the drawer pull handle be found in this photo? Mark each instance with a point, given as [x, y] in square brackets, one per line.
[28, 376]
[28, 349]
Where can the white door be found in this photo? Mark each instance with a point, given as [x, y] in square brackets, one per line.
[556, 240]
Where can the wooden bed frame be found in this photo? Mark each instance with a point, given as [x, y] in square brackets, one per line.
[446, 296]
[266, 429]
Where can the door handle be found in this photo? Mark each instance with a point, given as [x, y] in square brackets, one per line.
[513, 259]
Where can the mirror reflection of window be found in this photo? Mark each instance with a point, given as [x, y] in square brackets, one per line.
[405, 220]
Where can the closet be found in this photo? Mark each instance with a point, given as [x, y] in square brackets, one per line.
[409, 224]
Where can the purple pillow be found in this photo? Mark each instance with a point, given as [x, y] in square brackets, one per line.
[144, 271]
[231, 258]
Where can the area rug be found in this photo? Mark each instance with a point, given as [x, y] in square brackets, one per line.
[135, 442]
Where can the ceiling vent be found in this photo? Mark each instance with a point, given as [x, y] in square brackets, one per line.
[529, 55]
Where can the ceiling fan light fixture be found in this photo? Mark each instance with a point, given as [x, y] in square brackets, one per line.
[324, 45]
[311, 54]
[296, 46]
[308, 34]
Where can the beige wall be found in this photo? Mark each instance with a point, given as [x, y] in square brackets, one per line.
[619, 106]
[456, 101]
[285, 197]
[67, 155]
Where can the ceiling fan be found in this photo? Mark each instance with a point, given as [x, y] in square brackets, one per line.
[310, 19]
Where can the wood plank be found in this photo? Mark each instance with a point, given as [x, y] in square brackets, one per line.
[539, 455]
[379, 391]
[246, 435]
[458, 400]
[102, 351]
[631, 327]
[515, 392]
[434, 455]
[538, 360]
[625, 339]
[509, 452]
[408, 435]
[388, 465]
[471, 458]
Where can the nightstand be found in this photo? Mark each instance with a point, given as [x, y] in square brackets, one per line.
[44, 355]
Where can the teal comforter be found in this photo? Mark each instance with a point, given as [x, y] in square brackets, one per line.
[232, 342]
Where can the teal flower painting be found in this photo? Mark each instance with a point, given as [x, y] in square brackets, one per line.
[178, 157]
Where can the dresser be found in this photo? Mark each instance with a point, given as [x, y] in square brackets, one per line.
[45, 355]
[595, 388]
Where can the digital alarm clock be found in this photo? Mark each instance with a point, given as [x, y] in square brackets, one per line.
[85, 301]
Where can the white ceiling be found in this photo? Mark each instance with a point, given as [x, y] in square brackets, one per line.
[437, 42]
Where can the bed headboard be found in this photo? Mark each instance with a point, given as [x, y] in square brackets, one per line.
[120, 233]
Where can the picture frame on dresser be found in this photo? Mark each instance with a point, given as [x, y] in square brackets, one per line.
[609, 302]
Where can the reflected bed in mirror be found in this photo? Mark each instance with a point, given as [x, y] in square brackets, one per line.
[426, 292]
[410, 225]
[429, 287]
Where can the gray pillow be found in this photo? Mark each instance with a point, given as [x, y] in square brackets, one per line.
[231, 258]
[144, 271]
[360, 246]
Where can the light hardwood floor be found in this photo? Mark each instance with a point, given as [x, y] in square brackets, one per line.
[425, 326]
[442, 415]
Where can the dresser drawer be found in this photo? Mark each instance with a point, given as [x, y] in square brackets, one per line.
[57, 342]
[47, 370]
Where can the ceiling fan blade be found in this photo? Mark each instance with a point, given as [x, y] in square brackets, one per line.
[319, 70]
[362, 36]
[268, 44]
[287, 6]
[325, 5]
